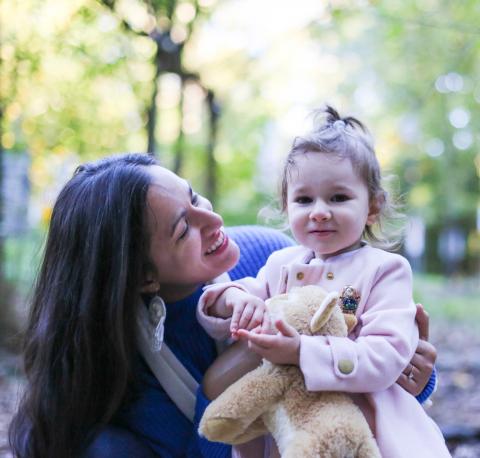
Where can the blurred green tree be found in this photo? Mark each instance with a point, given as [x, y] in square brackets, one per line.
[420, 62]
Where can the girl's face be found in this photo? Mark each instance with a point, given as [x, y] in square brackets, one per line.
[327, 204]
[188, 244]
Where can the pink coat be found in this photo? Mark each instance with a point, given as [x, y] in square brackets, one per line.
[379, 348]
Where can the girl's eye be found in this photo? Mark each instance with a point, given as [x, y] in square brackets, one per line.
[303, 200]
[340, 198]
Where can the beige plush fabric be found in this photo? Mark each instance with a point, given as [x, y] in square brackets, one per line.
[304, 424]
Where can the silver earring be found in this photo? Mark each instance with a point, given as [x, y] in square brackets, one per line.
[157, 313]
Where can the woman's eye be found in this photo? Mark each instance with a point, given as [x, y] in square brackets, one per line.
[184, 232]
[195, 199]
[303, 200]
[340, 198]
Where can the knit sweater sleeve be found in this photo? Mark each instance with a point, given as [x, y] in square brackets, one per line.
[429, 389]
[152, 415]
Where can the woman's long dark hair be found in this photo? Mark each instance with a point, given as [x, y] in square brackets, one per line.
[79, 343]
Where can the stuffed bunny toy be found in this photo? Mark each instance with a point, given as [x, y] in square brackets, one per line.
[273, 398]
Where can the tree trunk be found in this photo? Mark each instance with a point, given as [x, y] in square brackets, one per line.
[152, 111]
[179, 143]
[211, 178]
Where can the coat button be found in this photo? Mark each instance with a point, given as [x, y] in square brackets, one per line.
[330, 275]
[300, 275]
[345, 366]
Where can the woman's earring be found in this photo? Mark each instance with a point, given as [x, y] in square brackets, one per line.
[157, 313]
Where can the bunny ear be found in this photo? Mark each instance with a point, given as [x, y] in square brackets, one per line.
[323, 313]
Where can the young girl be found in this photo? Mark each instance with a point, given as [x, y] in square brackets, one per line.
[335, 203]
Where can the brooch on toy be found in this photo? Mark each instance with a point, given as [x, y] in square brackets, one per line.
[349, 299]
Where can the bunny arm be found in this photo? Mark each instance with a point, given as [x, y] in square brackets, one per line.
[232, 417]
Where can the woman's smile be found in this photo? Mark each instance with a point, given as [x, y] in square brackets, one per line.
[220, 244]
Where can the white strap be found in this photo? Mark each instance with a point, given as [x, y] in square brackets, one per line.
[177, 382]
[180, 386]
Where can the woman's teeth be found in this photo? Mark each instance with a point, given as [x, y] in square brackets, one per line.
[217, 244]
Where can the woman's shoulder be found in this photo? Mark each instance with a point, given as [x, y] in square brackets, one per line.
[251, 234]
[256, 245]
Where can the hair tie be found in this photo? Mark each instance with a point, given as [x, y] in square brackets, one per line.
[339, 125]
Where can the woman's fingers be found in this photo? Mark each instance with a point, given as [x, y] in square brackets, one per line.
[427, 352]
[425, 356]
[418, 371]
[422, 319]
[409, 384]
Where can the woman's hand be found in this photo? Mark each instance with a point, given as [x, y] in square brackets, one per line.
[280, 348]
[419, 369]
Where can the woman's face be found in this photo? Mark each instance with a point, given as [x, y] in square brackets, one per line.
[188, 244]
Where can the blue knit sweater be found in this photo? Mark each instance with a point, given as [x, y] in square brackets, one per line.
[152, 416]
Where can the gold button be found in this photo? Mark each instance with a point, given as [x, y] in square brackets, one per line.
[330, 276]
[300, 275]
[345, 366]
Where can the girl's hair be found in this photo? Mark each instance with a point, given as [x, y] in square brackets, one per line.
[347, 138]
[79, 344]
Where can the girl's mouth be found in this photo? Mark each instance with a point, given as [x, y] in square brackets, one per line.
[323, 233]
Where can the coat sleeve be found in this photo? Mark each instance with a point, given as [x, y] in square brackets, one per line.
[385, 344]
[219, 328]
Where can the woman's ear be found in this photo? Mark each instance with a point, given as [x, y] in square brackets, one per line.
[150, 285]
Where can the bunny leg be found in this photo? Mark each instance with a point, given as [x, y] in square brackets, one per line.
[232, 415]
[256, 429]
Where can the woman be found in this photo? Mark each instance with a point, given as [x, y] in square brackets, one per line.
[123, 227]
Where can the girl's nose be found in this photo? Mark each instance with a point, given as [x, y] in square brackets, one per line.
[320, 212]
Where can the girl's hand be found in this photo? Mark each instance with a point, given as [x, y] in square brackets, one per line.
[418, 371]
[280, 348]
[248, 312]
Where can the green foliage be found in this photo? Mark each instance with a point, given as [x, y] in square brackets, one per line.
[78, 76]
